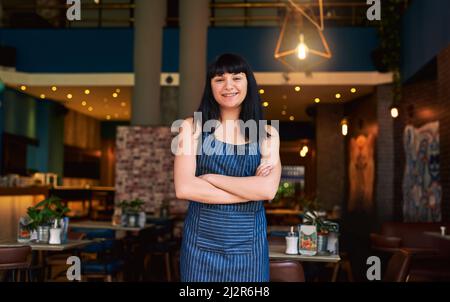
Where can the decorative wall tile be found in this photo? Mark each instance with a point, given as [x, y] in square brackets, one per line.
[144, 167]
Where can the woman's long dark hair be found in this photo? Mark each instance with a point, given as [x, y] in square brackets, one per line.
[251, 108]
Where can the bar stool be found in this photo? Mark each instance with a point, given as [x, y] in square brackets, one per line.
[16, 260]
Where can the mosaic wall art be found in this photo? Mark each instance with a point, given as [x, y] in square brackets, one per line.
[361, 173]
[422, 191]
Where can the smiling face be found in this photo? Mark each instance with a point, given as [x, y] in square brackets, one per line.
[229, 90]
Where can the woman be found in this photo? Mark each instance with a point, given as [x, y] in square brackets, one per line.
[225, 236]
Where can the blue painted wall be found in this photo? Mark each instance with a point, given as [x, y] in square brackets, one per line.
[19, 113]
[111, 50]
[426, 31]
[71, 50]
[24, 115]
[2, 117]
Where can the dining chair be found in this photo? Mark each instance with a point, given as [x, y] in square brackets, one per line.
[286, 271]
[398, 267]
[56, 262]
[16, 260]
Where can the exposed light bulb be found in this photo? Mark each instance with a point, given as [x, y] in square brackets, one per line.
[344, 127]
[394, 112]
[302, 49]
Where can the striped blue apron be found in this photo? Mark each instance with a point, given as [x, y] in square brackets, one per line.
[225, 243]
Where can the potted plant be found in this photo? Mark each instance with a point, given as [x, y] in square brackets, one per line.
[132, 212]
[121, 211]
[44, 214]
[323, 226]
[135, 211]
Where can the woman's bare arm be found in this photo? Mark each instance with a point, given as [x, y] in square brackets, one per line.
[255, 187]
[187, 185]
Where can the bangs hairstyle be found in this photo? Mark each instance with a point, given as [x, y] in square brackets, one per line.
[251, 108]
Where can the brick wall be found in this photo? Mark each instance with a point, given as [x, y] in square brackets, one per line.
[370, 115]
[144, 167]
[384, 187]
[330, 156]
[425, 99]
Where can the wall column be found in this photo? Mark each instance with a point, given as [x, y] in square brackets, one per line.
[148, 40]
[384, 190]
[194, 21]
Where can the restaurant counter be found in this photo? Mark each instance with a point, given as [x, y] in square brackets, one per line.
[14, 202]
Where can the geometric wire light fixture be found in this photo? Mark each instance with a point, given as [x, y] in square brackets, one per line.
[297, 12]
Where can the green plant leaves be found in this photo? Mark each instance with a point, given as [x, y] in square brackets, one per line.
[45, 211]
[133, 206]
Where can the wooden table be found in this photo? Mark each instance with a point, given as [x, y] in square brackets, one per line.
[438, 235]
[283, 212]
[39, 246]
[39, 249]
[277, 252]
[89, 224]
